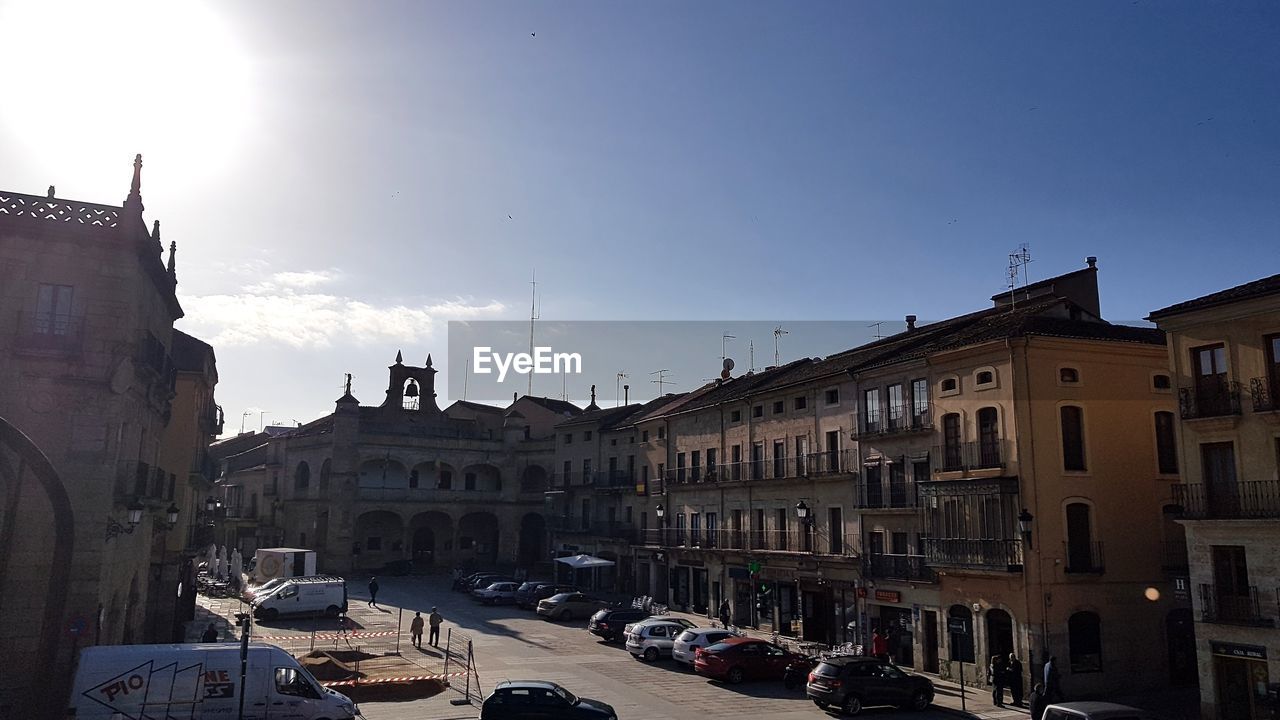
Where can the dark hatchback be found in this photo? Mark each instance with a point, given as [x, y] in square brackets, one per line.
[852, 683]
[528, 594]
[609, 624]
[541, 699]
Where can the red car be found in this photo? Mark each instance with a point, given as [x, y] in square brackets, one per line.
[741, 658]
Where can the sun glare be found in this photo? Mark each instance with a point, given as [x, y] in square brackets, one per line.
[92, 82]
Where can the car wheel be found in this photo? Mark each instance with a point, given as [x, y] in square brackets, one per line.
[852, 705]
[821, 704]
[919, 701]
[651, 654]
[332, 611]
[735, 676]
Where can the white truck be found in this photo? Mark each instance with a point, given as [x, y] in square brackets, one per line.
[271, 563]
[312, 595]
[198, 681]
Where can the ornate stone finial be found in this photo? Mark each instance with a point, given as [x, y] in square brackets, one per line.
[50, 192]
[173, 250]
[399, 357]
[428, 359]
[135, 187]
[348, 383]
[593, 394]
[155, 230]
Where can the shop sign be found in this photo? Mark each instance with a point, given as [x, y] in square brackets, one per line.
[1251, 652]
[739, 573]
[958, 626]
[892, 596]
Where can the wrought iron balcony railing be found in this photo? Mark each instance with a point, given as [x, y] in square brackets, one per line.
[1003, 555]
[898, 567]
[1239, 607]
[896, 420]
[1083, 557]
[1263, 393]
[50, 333]
[799, 540]
[1210, 400]
[971, 455]
[770, 468]
[598, 528]
[885, 492]
[1242, 499]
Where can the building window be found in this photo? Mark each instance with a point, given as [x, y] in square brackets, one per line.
[613, 442]
[644, 436]
[1166, 444]
[662, 432]
[302, 477]
[757, 411]
[53, 309]
[1272, 343]
[1072, 438]
[1084, 638]
[446, 479]
[711, 463]
[779, 458]
[988, 437]
[1068, 376]
[897, 409]
[800, 403]
[871, 411]
[835, 530]
[984, 378]
[778, 407]
[833, 396]
[695, 465]
[413, 478]
[1211, 380]
[735, 416]
[950, 386]
[586, 435]
[757, 461]
[1161, 382]
[679, 467]
[586, 471]
[469, 481]
[1080, 554]
[951, 459]
[568, 438]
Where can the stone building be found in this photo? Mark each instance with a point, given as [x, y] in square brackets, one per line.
[405, 480]
[997, 474]
[1224, 352]
[87, 474]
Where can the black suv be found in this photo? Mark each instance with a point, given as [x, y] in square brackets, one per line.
[851, 683]
[609, 624]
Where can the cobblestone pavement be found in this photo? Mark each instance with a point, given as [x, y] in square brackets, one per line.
[516, 644]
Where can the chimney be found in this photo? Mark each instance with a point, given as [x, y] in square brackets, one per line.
[911, 323]
[1093, 261]
[626, 394]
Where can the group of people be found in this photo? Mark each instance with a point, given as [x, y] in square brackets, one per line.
[415, 628]
[1006, 672]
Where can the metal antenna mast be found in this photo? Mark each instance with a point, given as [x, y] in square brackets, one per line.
[777, 333]
[533, 315]
[617, 384]
[662, 379]
[877, 325]
[723, 339]
[1018, 261]
[751, 349]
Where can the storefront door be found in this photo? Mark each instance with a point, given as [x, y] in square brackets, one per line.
[1241, 688]
[896, 622]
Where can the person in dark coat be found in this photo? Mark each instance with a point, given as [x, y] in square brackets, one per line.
[373, 592]
[1037, 701]
[210, 634]
[724, 612]
[1013, 677]
[1052, 681]
[996, 677]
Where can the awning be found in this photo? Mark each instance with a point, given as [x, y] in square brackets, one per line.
[584, 561]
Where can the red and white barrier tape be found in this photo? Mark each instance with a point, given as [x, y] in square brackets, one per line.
[328, 636]
[405, 678]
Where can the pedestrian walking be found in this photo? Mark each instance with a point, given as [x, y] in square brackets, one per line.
[879, 645]
[996, 678]
[210, 634]
[415, 630]
[1014, 676]
[1052, 681]
[373, 592]
[1037, 702]
[725, 616]
[434, 620]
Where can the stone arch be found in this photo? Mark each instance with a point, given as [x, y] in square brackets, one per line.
[478, 536]
[446, 477]
[21, 462]
[999, 633]
[379, 535]
[533, 479]
[481, 477]
[383, 473]
[326, 471]
[533, 540]
[431, 540]
[302, 478]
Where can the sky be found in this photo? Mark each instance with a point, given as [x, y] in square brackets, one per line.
[343, 179]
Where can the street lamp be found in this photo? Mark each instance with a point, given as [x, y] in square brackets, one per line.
[1024, 526]
[806, 521]
[661, 512]
[802, 511]
[135, 513]
[171, 515]
[209, 504]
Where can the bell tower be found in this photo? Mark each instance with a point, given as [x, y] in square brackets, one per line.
[411, 389]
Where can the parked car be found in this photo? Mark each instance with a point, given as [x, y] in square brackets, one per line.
[541, 699]
[568, 605]
[528, 597]
[653, 640]
[484, 581]
[852, 683]
[461, 582]
[689, 642]
[495, 593]
[655, 618]
[1095, 711]
[740, 658]
[609, 623]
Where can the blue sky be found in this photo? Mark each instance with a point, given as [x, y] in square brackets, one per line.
[671, 161]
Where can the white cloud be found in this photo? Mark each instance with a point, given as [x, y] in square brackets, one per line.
[281, 310]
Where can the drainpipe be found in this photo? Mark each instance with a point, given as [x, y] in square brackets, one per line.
[1029, 470]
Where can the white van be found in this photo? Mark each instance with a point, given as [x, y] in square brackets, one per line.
[301, 596]
[198, 681]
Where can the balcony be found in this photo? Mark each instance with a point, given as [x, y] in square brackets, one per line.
[771, 468]
[50, 334]
[811, 542]
[969, 456]
[886, 566]
[1218, 399]
[597, 528]
[996, 555]
[1083, 558]
[1232, 608]
[885, 493]
[896, 420]
[211, 420]
[1263, 393]
[1241, 500]
[615, 480]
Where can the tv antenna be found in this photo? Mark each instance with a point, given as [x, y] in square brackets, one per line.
[723, 340]
[661, 380]
[751, 348]
[777, 333]
[617, 383]
[534, 314]
[1018, 261]
[244, 415]
[466, 377]
[877, 325]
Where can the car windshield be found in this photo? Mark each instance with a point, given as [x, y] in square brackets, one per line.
[562, 597]
[687, 636]
[528, 586]
[827, 670]
[718, 647]
[568, 696]
[890, 671]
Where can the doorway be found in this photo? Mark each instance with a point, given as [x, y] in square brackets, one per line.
[424, 547]
[929, 622]
[1180, 635]
[1236, 679]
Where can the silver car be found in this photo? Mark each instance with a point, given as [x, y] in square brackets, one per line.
[650, 641]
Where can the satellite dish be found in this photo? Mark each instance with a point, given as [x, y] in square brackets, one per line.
[728, 364]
